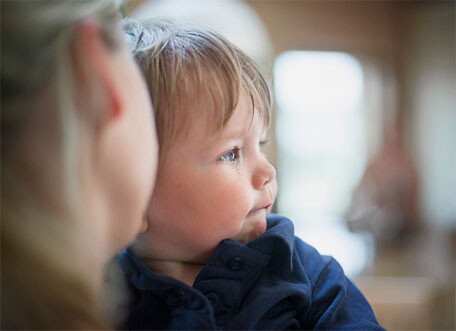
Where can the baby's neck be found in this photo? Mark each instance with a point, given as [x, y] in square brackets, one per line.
[183, 271]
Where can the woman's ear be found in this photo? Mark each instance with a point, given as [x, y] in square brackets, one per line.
[98, 90]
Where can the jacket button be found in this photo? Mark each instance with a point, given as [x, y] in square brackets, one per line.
[235, 263]
[175, 298]
[213, 299]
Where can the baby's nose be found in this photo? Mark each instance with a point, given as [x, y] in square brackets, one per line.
[265, 173]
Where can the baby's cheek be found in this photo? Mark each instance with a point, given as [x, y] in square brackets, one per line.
[236, 211]
[225, 208]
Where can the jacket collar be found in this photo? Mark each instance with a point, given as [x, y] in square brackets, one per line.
[228, 276]
[277, 242]
[142, 277]
[274, 247]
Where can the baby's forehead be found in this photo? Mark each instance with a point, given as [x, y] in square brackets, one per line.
[239, 125]
[211, 115]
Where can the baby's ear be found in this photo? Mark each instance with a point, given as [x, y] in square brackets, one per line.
[99, 94]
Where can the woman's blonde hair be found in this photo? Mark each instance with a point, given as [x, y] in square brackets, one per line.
[43, 285]
[193, 71]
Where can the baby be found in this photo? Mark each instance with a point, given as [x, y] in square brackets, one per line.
[212, 257]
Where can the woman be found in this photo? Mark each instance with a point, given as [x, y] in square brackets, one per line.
[78, 159]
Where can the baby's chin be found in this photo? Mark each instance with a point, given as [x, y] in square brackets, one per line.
[251, 231]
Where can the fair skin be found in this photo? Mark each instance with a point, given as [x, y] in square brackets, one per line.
[210, 187]
[118, 155]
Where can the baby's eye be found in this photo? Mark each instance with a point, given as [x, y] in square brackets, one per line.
[230, 156]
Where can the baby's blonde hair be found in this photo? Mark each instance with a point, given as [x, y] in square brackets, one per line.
[43, 286]
[193, 71]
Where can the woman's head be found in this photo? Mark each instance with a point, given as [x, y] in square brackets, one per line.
[69, 85]
[78, 154]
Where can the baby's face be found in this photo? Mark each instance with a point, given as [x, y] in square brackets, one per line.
[210, 188]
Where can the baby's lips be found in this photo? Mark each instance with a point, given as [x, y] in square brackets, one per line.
[266, 207]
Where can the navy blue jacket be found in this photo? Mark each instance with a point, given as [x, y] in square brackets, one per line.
[276, 282]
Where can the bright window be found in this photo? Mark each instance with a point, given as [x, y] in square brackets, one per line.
[321, 148]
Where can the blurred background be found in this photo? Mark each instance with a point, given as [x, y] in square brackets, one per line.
[363, 136]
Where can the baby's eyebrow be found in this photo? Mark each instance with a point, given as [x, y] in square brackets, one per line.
[234, 135]
[242, 133]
